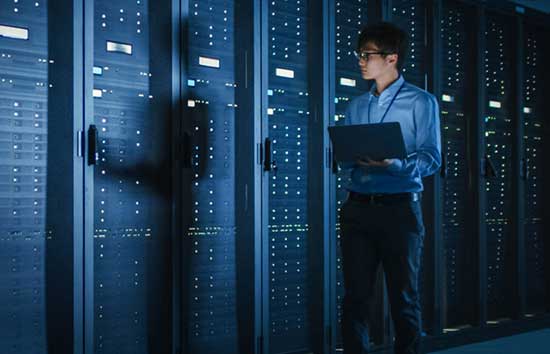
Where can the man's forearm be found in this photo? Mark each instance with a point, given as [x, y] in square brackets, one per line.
[425, 162]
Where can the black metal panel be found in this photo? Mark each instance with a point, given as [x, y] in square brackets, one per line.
[248, 173]
[457, 117]
[132, 219]
[499, 140]
[23, 157]
[478, 179]
[532, 168]
[319, 176]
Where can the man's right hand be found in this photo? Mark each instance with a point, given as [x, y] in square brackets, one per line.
[368, 162]
[362, 163]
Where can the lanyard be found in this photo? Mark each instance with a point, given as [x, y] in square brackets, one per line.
[387, 109]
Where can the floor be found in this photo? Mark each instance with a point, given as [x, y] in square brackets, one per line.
[536, 342]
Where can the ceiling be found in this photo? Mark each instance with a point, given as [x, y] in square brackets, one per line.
[540, 5]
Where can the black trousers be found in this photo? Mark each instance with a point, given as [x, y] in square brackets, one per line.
[390, 233]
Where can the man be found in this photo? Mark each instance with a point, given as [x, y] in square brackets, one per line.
[381, 221]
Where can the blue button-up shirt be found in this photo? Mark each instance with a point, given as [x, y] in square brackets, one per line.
[418, 113]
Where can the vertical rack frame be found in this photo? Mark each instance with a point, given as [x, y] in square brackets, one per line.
[518, 266]
[248, 194]
[478, 179]
[320, 75]
[434, 86]
[65, 261]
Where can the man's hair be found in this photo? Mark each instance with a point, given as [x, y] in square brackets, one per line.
[388, 38]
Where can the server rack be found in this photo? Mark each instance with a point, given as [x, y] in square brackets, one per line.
[128, 176]
[457, 115]
[208, 122]
[534, 141]
[293, 276]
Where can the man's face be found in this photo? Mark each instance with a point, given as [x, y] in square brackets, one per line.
[376, 65]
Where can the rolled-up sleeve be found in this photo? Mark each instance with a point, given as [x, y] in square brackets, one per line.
[427, 157]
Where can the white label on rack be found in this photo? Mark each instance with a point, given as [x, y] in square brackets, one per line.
[347, 82]
[447, 98]
[289, 74]
[209, 62]
[119, 47]
[14, 32]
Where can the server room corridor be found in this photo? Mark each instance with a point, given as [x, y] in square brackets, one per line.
[274, 176]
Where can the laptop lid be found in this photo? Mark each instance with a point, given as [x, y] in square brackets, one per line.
[377, 141]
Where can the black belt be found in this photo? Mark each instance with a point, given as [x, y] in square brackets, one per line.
[384, 198]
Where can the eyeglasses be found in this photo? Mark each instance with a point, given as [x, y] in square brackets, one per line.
[365, 55]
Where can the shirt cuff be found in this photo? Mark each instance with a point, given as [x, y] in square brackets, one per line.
[395, 166]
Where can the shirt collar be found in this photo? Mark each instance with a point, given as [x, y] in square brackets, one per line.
[388, 93]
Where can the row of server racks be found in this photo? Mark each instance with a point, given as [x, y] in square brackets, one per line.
[167, 184]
